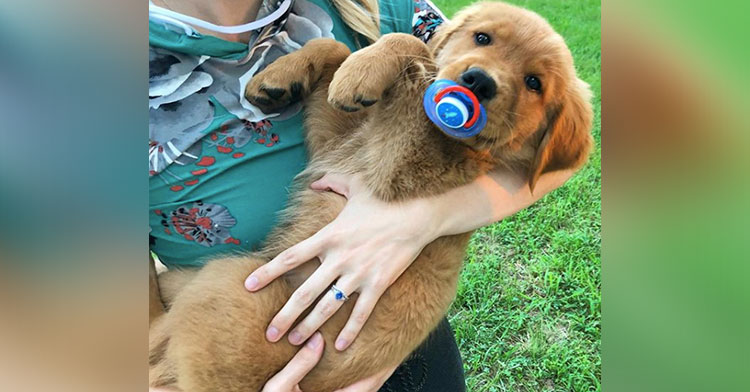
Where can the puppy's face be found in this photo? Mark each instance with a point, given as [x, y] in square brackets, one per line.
[522, 72]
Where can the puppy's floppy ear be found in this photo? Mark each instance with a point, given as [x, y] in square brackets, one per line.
[566, 139]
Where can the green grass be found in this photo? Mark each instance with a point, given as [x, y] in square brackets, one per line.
[527, 315]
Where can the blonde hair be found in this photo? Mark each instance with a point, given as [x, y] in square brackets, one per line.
[362, 16]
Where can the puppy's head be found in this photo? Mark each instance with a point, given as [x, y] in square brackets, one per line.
[522, 72]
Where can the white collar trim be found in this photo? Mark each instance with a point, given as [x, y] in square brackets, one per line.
[166, 16]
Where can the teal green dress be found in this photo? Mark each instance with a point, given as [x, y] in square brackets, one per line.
[220, 169]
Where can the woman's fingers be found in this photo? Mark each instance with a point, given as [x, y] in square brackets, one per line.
[300, 300]
[326, 307]
[362, 310]
[284, 262]
[305, 359]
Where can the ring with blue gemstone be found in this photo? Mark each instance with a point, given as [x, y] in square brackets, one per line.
[338, 294]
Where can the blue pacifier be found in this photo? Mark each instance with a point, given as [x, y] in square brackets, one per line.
[454, 109]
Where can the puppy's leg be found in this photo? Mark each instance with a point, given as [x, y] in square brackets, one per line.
[293, 77]
[367, 76]
[161, 371]
[305, 75]
[326, 125]
[172, 281]
[155, 306]
[217, 330]
[395, 72]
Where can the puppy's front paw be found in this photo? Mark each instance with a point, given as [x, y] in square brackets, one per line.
[359, 82]
[283, 82]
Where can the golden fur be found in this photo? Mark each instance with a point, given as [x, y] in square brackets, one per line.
[212, 338]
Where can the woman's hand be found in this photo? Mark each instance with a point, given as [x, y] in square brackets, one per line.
[370, 244]
[288, 378]
[364, 250]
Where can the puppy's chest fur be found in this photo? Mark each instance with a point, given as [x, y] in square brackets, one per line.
[400, 154]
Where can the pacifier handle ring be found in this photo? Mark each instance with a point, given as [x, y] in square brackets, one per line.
[467, 92]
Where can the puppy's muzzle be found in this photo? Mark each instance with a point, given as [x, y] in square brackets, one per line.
[479, 82]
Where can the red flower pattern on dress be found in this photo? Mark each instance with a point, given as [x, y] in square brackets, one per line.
[230, 137]
[206, 224]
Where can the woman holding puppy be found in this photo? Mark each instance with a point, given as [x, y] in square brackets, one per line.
[219, 171]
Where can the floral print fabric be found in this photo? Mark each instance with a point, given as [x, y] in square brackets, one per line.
[184, 90]
[220, 168]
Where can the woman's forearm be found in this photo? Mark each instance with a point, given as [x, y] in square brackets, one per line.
[489, 199]
[371, 243]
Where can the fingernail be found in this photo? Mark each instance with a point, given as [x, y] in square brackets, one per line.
[272, 333]
[251, 283]
[295, 338]
[341, 344]
[315, 340]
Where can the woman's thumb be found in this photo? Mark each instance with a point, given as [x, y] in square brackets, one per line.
[332, 182]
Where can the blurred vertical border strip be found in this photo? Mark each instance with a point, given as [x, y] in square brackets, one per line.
[73, 195]
[676, 197]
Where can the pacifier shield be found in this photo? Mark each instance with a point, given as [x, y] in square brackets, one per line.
[454, 109]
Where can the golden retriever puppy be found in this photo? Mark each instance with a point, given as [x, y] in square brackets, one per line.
[364, 116]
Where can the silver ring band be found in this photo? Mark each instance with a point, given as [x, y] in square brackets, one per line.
[338, 294]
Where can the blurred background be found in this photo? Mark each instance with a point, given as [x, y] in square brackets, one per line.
[674, 209]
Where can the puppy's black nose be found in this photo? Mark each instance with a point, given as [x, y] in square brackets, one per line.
[479, 82]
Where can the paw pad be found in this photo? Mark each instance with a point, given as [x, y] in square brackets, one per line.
[261, 100]
[272, 92]
[350, 109]
[366, 102]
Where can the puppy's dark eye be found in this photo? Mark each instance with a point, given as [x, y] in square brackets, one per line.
[533, 83]
[482, 39]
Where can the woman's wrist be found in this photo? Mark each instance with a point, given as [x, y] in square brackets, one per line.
[436, 216]
[460, 210]
[488, 199]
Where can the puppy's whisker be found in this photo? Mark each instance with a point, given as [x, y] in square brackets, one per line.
[508, 124]
[426, 58]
